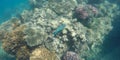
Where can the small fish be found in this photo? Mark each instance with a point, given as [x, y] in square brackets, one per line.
[59, 29]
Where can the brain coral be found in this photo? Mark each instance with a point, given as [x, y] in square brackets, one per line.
[35, 36]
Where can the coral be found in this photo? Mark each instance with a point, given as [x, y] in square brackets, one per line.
[81, 13]
[85, 11]
[2, 34]
[71, 56]
[35, 36]
[53, 18]
[23, 53]
[107, 9]
[43, 54]
[38, 3]
[62, 7]
[13, 40]
[8, 25]
[23, 17]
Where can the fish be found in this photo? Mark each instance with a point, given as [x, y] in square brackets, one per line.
[59, 29]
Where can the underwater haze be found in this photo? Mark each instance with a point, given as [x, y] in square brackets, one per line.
[10, 8]
[59, 29]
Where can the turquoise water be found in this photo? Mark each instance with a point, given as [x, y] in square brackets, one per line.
[9, 8]
[112, 42]
[111, 49]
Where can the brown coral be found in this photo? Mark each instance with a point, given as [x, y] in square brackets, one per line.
[22, 53]
[13, 40]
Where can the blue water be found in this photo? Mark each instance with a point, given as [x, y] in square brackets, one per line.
[9, 8]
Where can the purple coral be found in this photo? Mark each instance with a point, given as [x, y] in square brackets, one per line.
[70, 56]
[85, 11]
[81, 13]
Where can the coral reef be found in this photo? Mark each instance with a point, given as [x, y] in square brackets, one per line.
[62, 7]
[35, 37]
[50, 24]
[2, 34]
[71, 56]
[8, 25]
[13, 40]
[83, 12]
[23, 53]
[42, 53]
[59, 29]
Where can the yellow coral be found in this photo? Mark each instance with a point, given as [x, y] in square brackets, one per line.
[43, 54]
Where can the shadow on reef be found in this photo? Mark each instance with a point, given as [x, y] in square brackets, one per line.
[111, 44]
[115, 1]
[95, 1]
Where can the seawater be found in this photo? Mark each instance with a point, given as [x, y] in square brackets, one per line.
[8, 9]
